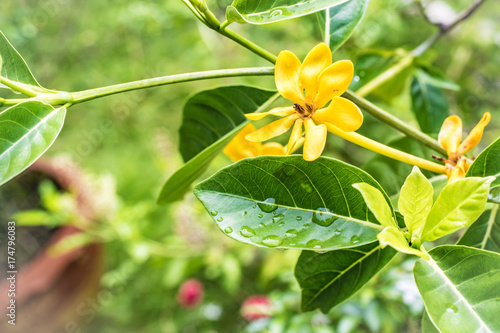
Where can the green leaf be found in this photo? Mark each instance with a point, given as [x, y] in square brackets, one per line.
[415, 200]
[494, 195]
[459, 286]
[427, 325]
[14, 67]
[264, 12]
[485, 232]
[487, 163]
[458, 206]
[377, 204]
[393, 237]
[339, 22]
[429, 104]
[433, 77]
[329, 278]
[218, 110]
[286, 202]
[211, 114]
[27, 130]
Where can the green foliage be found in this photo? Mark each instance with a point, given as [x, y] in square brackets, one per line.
[286, 202]
[487, 163]
[339, 22]
[457, 206]
[485, 232]
[427, 325]
[459, 286]
[376, 203]
[430, 105]
[211, 119]
[27, 130]
[328, 279]
[263, 12]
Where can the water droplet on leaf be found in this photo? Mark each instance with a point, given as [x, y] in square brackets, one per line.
[323, 217]
[214, 213]
[272, 241]
[299, 218]
[247, 232]
[220, 219]
[260, 216]
[228, 230]
[451, 308]
[355, 239]
[291, 233]
[268, 205]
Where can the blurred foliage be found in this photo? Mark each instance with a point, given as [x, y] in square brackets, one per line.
[132, 138]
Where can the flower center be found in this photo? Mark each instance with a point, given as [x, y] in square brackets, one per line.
[306, 111]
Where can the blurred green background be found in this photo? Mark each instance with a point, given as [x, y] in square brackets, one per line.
[128, 142]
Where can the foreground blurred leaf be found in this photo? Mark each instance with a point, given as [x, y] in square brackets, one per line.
[487, 163]
[485, 232]
[263, 12]
[339, 22]
[458, 206]
[429, 103]
[14, 67]
[27, 130]
[211, 119]
[287, 202]
[427, 325]
[329, 278]
[459, 286]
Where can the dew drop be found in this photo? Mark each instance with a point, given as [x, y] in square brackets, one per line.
[228, 230]
[214, 213]
[220, 219]
[336, 232]
[245, 213]
[262, 225]
[281, 224]
[451, 308]
[355, 239]
[291, 233]
[314, 244]
[299, 218]
[267, 206]
[272, 241]
[247, 232]
[322, 217]
[292, 244]
[306, 225]
[278, 218]
[260, 216]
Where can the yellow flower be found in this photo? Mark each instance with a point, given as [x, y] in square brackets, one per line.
[310, 85]
[450, 136]
[240, 148]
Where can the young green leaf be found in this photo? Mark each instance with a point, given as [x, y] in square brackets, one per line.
[429, 104]
[376, 202]
[484, 234]
[459, 286]
[264, 12]
[339, 22]
[286, 202]
[211, 119]
[14, 67]
[394, 238]
[328, 279]
[27, 130]
[487, 163]
[415, 201]
[457, 206]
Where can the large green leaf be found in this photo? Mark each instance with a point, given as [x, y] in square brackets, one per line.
[14, 67]
[427, 325]
[226, 105]
[27, 130]
[459, 286]
[211, 114]
[429, 104]
[494, 195]
[263, 12]
[457, 206]
[487, 163]
[329, 278]
[339, 22]
[287, 202]
[485, 232]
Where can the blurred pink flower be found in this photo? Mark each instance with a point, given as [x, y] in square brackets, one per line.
[190, 293]
[256, 307]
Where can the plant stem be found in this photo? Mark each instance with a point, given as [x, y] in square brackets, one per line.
[86, 95]
[248, 44]
[4, 101]
[382, 149]
[17, 86]
[394, 122]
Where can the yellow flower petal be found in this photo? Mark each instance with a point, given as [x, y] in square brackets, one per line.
[275, 128]
[319, 58]
[450, 135]
[239, 147]
[279, 112]
[475, 135]
[315, 140]
[457, 172]
[286, 76]
[341, 113]
[295, 136]
[273, 148]
[333, 81]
